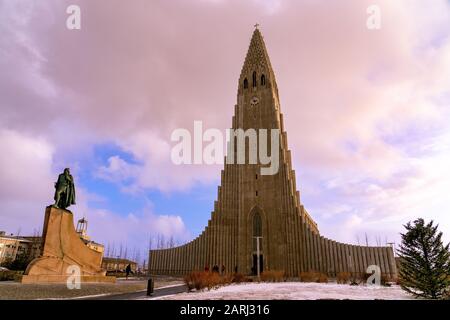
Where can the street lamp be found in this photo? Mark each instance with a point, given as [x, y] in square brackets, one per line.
[117, 266]
[258, 271]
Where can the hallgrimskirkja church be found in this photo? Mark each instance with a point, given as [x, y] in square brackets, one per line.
[264, 214]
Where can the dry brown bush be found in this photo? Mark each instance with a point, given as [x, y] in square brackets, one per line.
[343, 277]
[201, 280]
[273, 276]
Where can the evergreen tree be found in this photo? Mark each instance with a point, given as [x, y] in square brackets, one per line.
[424, 261]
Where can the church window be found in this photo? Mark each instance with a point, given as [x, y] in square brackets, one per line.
[254, 79]
[257, 225]
[245, 83]
[263, 80]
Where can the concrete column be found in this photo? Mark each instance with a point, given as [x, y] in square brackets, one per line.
[380, 259]
[167, 266]
[181, 255]
[316, 252]
[312, 251]
[298, 244]
[202, 251]
[208, 245]
[194, 255]
[219, 239]
[328, 253]
[353, 259]
[304, 247]
[168, 258]
[360, 261]
[188, 258]
[152, 260]
[309, 249]
[347, 257]
[216, 241]
[392, 264]
[384, 266]
[227, 220]
[372, 255]
[340, 256]
[364, 258]
[155, 261]
[195, 249]
[329, 258]
[357, 260]
[162, 265]
[212, 243]
[175, 260]
[386, 261]
[179, 260]
[325, 260]
[292, 230]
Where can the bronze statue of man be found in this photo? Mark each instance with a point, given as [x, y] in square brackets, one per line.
[64, 190]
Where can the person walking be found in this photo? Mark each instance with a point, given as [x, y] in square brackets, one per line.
[128, 271]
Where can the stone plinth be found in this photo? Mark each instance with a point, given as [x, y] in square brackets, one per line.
[62, 248]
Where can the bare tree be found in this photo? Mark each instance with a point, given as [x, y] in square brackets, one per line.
[171, 243]
[149, 243]
[367, 239]
[113, 250]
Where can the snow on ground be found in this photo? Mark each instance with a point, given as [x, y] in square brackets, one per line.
[294, 291]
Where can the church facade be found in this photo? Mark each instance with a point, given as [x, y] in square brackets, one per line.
[263, 214]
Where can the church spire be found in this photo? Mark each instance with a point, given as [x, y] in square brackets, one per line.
[257, 67]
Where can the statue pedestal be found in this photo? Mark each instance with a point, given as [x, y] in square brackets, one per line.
[62, 249]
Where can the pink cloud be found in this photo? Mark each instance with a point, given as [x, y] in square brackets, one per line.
[135, 72]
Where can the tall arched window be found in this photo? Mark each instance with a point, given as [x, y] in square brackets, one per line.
[254, 79]
[263, 80]
[245, 83]
[257, 228]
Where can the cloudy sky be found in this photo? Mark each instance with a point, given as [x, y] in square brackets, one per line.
[367, 111]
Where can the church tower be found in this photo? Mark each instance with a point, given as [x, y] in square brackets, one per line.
[262, 213]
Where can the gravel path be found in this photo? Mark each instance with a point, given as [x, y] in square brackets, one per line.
[16, 291]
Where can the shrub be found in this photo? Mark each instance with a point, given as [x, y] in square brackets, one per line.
[307, 276]
[386, 280]
[19, 264]
[313, 276]
[273, 276]
[210, 280]
[10, 275]
[239, 277]
[343, 277]
[323, 278]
